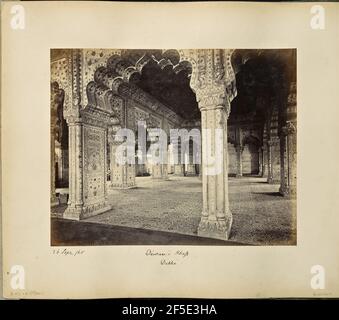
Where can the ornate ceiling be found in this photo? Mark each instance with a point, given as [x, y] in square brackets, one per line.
[263, 77]
[170, 88]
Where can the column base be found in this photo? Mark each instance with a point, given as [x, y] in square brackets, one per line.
[191, 170]
[238, 175]
[159, 172]
[115, 186]
[179, 170]
[265, 172]
[216, 228]
[82, 212]
[273, 181]
[140, 170]
[288, 191]
[170, 169]
[54, 202]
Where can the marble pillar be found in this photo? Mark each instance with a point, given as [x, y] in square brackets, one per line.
[216, 220]
[54, 199]
[264, 161]
[273, 153]
[261, 162]
[191, 166]
[269, 162]
[75, 199]
[200, 165]
[239, 150]
[288, 160]
[159, 171]
[64, 155]
[179, 169]
[122, 175]
[170, 164]
[191, 170]
[87, 169]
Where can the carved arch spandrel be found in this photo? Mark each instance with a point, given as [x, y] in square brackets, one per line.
[251, 139]
[67, 72]
[61, 74]
[211, 74]
[119, 76]
[127, 68]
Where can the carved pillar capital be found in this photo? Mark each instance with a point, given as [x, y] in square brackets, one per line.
[213, 97]
[213, 77]
[270, 143]
[214, 84]
[239, 147]
[288, 129]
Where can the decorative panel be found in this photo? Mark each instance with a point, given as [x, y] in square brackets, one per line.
[59, 72]
[94, 164]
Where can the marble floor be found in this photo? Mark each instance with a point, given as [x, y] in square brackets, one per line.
[260, 215]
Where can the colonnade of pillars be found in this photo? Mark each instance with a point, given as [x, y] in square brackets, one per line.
[87, 153]
[288, 154]
[124, 176]
[277, 160]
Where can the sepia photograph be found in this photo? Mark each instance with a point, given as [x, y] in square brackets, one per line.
[169, 150]
[173, 147]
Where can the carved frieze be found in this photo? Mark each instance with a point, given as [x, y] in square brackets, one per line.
[212, 76]
[92, 60]
[115, 106]
[140, 115]
[153, 122]
[95, 117]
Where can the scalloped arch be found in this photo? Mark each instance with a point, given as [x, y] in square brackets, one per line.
[128, 68]
[251, 139]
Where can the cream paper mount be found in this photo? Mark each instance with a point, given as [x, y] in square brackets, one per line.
[260, 221]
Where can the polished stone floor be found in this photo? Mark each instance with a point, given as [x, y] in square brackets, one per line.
[260, 215]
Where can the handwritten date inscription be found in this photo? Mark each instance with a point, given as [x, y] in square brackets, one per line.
[68, 252]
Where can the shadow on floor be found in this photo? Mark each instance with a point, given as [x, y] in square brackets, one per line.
[273, 194]
[79, 233]
[277, 237]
